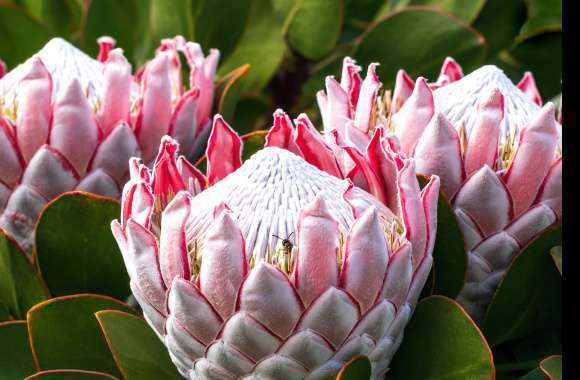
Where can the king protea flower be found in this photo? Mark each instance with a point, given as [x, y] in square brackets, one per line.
[69, 122]
[277, 269]
[496, 150]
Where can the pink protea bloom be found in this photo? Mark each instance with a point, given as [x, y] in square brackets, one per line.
[277, 269]
[70, 122]
[496, 150]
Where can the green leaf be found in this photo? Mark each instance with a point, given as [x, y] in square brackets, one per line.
[535, 374]
[252, 112]
[500, 22]
[16, 359]
[261, 45]
[5, 313]
[65, 333]
[62, 16]
[137, 350]
[529, 295]
[542, 55]
[22, 35]
[448, 341]
[537, 345]
[75, 249]
[556, 254]
[253, 142]
[110, 18]
[465, 10]
[164, 19]
[421, 50]
[70, 374]
[220, 23]
[228, 91]
[449, 254]
[315, 27]
[543, 16]
[357, 368]
[552, 367]
[20, 285]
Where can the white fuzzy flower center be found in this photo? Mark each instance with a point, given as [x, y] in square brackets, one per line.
[266, 195]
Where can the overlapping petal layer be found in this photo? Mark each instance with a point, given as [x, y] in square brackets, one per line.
[70, 122]
[495, 148]
[231, 300]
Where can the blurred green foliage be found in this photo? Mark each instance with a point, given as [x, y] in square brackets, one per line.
[292, 45]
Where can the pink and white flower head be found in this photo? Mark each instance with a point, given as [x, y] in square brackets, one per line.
[70, 122]
[231, 299]
[496, 150]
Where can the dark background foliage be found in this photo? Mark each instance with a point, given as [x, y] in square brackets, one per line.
[292, 45]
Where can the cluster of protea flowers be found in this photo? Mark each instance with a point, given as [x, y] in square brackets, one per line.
[497, 152]
[273, 268]
[70, 122]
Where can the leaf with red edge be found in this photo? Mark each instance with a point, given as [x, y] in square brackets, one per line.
[138, 352]
[70, 374]
[529, 296]
[64, 333]
[20, 285]
[552, 367]
[356, 368]
[228, 90]
[75, 249]
[450, 344]
[16, 360]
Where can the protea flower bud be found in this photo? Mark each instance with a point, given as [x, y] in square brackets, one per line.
[277, 269]
[497, 152]
[70, 122]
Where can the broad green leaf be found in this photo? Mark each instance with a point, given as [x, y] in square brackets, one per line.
[500, 22]
[534, 374]
[16, 361]
[529, 295]
[253, 142]
[62, 16]
[357, 368]
[21, 35]
[65, 333]
[542, 55]
[315, 27]
[537, 345]
[115, 18]
[434, 36]
[164, 19]
[5, 313]
[465, 10]
[365, 10]
[449, 343]
[70, 374]
[75, 249]
[220, 24]
[253, 112]
[556, 254]
[261, 45]
[552, 367]
[449, 254]
[20, 285]
[543, 16]
[138, 351]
